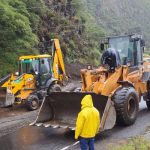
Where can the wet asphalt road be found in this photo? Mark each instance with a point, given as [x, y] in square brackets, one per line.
[38, 138]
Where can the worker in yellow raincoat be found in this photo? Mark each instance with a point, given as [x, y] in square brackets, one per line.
[87, 124]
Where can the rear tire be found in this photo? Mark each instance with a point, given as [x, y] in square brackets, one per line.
[32, 102]
[54, 88]
[127, 105]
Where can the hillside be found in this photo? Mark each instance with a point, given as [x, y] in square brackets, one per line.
[28, 26]
[122, 16]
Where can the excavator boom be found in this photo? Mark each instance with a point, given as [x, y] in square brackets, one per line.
[58, 61]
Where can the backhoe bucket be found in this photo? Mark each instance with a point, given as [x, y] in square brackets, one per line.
[6, 99]
[60, 109]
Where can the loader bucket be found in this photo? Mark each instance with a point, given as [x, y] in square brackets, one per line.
[60, 109]
[6, 99]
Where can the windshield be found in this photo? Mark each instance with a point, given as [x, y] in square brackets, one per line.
[29, 66]
[122, 45]
[45, 64]
[129, 50]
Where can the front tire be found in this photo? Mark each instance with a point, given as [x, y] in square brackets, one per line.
[32, 102]
[127, 105]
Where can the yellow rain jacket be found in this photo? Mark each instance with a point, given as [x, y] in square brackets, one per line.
[88, 121]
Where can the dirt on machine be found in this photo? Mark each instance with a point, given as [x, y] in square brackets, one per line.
[37, 75]
[116, 87]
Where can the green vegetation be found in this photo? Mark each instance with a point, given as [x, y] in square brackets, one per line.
[137, 143]
[91, 35]
[122, 16]
[16, 33]
[27, 26]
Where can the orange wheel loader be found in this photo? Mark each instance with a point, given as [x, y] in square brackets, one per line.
[116, 87]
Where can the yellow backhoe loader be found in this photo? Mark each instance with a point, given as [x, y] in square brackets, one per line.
[37, 76]
[116, 87]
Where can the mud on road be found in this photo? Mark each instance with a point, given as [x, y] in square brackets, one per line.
[15, 134]
[13, 118]
[18, 116]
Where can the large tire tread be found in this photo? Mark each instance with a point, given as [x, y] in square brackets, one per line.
[121, 99]
[29, 102]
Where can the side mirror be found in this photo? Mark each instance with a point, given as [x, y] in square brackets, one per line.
[17, 73]
[102, 46]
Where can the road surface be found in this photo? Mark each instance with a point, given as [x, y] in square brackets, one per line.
[38, 138]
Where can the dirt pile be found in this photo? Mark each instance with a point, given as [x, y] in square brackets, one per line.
[73, 70]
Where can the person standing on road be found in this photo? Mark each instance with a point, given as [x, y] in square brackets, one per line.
[87, 124]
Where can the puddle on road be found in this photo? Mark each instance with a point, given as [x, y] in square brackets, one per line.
[20, 139]
[33, 138]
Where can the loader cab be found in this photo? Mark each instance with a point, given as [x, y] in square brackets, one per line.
[129, 48]
[39, 66]
[45, 71]
[28, 66]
